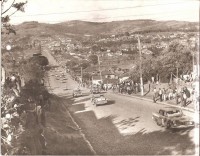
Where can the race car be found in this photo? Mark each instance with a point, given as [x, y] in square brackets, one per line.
[171, 117]
[95, 90]
[99, 99]
[77, 93]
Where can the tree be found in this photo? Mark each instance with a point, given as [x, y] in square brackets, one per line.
[176, 56]
[31, 71]
[95, 48]
[126, 34]
[84, 64]
[7, 13]
[87, 76]
[72, 63]
[40, 60]
[93, 59]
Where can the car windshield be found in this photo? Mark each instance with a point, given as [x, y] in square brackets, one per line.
[174, 113]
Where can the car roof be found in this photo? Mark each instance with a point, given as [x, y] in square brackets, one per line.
[169, 109]
[97, 95]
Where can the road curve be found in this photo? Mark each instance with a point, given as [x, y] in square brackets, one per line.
[123, 126]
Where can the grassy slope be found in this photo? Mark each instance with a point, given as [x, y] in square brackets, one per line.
[61, 134]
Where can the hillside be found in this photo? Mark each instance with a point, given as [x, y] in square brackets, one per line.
[83, 27]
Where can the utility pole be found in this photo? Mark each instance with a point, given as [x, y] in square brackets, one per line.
[99, 68]
[81, 76]
[193, 63]
[141, 80]
[177, 74]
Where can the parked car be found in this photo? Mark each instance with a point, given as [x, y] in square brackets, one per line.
[77, 93]
[171, 117]
[99, 99]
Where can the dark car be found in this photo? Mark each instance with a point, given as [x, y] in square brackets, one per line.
[95, 90]
[171, 117]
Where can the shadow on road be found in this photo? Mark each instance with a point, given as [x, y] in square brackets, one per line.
[181, 130]
[82, 100]
[110, 102]
[129, 122]
[106, 139]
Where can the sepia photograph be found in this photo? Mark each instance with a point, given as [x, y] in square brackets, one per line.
[99, 77]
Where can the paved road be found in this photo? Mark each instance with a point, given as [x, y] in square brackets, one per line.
[124, 126]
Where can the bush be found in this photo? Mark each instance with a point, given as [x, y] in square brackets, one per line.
[40, 60]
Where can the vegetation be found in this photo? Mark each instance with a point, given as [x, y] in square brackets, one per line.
[176, 56]
[6, 14]
[93, 59]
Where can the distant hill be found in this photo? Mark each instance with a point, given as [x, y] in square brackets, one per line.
[81, 28]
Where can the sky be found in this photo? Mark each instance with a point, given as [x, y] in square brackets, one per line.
[55, 11]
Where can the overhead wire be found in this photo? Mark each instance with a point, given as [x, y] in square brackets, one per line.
[86, 11]
[102, 18]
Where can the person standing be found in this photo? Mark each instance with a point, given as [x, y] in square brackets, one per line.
[184, 99]
[160, 94]
[154, 95]
[164, 94]
[170, 93]
[152, 79]
[38, 112]
[177, 96]
[139, 87]
[157, 79]
[136, 88]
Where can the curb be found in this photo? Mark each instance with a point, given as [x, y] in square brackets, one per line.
[76, 124]
[161, 103]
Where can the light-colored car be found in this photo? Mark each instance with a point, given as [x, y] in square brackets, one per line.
[77, 93]
[171, 117]
[99, 99]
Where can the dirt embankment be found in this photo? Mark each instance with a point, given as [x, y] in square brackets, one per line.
[62, 135]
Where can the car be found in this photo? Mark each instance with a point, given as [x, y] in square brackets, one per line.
[77, 93]
[171, 117]
[99, 99]
[95, 90]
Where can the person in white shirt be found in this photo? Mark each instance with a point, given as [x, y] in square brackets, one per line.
[154, 95]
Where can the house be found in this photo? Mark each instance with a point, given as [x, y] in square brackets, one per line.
[122, 79]
[96, 79]
[108, 75]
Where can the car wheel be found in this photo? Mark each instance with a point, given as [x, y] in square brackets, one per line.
[168, 125]
[163, 122]
[158, 123]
